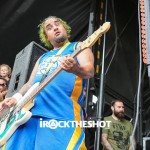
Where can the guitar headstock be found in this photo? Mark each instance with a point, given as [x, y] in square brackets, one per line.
[90, 41]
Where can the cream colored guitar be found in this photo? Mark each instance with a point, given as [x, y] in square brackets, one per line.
[20, 113]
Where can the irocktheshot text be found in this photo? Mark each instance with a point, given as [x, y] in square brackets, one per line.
[53, 124]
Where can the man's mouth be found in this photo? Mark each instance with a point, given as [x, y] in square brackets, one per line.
[57, 33]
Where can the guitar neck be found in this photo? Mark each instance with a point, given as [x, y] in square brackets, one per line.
[46, 81]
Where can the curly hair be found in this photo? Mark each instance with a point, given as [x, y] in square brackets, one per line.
[42, 34]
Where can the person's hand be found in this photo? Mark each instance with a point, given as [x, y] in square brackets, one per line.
[8, 103]
[69, 64]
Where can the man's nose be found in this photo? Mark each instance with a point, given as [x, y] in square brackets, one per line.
[55, 28]
[121, 109]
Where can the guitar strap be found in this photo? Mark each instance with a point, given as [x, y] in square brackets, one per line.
[55, 58]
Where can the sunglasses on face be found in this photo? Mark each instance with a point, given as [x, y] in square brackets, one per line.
[4, 84]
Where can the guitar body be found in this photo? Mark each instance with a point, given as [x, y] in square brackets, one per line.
[29, 105]
[10, 123]
[8, 128]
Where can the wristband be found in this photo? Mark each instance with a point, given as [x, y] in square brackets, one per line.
[17, 96]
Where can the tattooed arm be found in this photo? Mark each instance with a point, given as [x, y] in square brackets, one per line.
[105, 142]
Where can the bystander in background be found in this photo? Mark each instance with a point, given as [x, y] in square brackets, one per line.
[117, 136]
[5, 72]
[3, 88]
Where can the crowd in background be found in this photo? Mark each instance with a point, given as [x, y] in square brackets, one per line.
[5, 75]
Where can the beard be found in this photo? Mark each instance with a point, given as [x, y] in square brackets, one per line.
[119, 115]
[60, 39]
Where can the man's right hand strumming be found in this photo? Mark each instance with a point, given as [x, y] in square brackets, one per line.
[8, 103]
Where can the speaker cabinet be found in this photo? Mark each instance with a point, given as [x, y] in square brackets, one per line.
[23, 66]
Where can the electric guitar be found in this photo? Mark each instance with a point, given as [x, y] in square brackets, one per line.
[20, 114]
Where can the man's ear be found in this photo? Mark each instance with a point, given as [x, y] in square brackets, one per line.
[112, 108]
